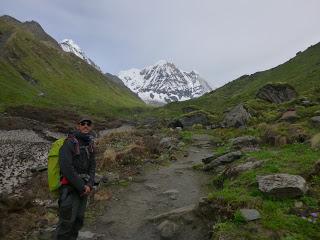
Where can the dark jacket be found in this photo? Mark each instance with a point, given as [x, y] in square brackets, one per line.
[73, 165]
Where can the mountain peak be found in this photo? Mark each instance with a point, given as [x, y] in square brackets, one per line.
[163, 82]
[161, 62]
[68, 45]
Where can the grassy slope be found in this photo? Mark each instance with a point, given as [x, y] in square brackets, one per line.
[66, 80]
[302, 72]
[280, 219]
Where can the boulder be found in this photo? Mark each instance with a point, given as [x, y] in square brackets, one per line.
[197, 117]
[315, 121]
[222, 160]
[236, 117]
[277, 93]
[245, 142]
[289, 116]
[282, 185]
[248, 165]
[250, 214]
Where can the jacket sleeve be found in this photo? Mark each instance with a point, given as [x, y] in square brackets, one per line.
[66, 167]
[92, 169]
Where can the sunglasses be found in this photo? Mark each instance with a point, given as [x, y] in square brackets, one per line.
[85, 123]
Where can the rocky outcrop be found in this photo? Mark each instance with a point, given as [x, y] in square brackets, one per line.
[237, 117]
[282, 185]
[222, 160]
[277, 93]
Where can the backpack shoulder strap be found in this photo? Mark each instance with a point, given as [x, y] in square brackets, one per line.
[75, 141]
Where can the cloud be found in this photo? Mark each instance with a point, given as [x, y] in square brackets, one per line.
[220, 39]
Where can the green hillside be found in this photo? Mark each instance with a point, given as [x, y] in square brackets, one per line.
[34, 71]
[302, 72]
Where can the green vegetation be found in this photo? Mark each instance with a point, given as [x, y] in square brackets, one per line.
[35, 73]
[302, 72]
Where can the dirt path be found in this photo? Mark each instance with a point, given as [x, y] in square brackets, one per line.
[157, 191]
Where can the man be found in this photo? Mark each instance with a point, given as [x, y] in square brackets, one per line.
[77, 166]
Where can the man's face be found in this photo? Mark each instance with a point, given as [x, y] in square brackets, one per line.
[85, 126]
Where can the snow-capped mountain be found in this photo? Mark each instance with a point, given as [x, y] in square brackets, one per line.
[164, 82]
[68, 45]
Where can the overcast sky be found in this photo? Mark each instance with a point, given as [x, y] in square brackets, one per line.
[222, 40]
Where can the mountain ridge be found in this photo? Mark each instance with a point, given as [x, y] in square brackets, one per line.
[163, 82]
[68, 45]
[34, 72]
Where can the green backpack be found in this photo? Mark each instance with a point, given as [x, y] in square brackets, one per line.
[53, 165]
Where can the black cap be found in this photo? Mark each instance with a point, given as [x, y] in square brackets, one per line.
[85, 119]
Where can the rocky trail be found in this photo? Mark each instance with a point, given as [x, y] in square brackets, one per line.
[159, 204]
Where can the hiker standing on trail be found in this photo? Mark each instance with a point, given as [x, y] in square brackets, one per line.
[77, 166]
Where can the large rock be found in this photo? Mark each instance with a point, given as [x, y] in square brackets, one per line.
[248, 165]
[245, 142]
[236, 117]
[222, 160]
[277, 93]
[192, 118]
[282, 185]
[250, 214]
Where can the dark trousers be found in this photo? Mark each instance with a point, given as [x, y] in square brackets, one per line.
[71, 213]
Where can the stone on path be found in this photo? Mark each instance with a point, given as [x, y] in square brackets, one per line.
[167, 229]
[172, 193]
[176, 214]
[250, 214]
[282, 185]
[87, 235]
[151, 186]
